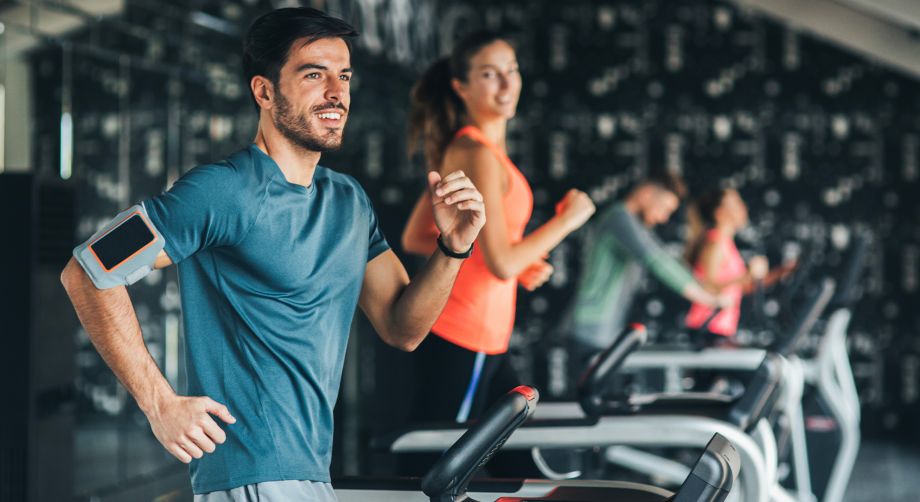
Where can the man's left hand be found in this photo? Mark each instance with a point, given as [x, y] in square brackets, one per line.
[459, 212]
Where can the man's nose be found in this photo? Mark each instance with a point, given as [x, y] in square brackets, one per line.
[336, 91]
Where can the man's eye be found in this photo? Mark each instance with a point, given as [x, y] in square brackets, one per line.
[313, 75]
[346, 78]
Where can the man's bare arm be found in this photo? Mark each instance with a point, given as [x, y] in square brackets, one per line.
[403, 312]
[181, 424]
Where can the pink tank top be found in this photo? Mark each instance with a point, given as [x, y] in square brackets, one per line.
[731, 268]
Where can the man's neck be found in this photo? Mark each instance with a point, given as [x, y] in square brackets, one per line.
[297, 164]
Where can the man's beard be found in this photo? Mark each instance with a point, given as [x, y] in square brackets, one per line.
[297, 129]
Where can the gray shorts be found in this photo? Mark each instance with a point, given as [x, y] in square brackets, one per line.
[274, 491]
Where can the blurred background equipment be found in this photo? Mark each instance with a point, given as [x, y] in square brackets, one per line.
[810, 109]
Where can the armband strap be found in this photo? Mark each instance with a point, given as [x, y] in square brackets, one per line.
[123, 251]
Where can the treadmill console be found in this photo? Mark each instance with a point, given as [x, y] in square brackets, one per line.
[447, 480]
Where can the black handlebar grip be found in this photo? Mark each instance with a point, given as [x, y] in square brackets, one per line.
[713, 475]
[449, 476]
[852, 270]
[759, 395]
[715, 312]
[811, 310]
[593, 381]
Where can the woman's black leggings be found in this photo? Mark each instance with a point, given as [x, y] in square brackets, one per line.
[453, 384]
[456, 384]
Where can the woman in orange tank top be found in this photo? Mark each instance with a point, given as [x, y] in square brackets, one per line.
[460, 111]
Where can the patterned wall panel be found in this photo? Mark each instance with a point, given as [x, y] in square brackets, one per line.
[821, 143]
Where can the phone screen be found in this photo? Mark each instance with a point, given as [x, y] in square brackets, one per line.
[123, 241]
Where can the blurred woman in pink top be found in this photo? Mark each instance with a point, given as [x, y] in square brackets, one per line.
[715, 217]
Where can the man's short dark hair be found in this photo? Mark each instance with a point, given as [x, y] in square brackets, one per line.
[667, 181]
[268, 42]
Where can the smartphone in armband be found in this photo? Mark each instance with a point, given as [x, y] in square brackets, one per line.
[123, 251]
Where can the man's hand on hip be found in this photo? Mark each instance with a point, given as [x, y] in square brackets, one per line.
[184, 425]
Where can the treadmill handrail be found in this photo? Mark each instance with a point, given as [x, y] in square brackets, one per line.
[812, 309]
[852, 270]
[447, 480]
[594, 380]
[757, 401]
[711, 478]
[760, 394]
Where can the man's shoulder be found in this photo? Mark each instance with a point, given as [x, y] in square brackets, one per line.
[614, 213]
[236, 164]
[240, 168]
[618, 208]
[235, 178]
[620, 228]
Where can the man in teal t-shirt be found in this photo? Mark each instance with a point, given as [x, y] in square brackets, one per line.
[274, 253]
[618, 247]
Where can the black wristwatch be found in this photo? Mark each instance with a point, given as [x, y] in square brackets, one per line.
[451, 254]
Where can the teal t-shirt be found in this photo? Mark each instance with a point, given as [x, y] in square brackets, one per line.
[270, 274]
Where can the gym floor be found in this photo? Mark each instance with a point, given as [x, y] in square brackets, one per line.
[886, 470]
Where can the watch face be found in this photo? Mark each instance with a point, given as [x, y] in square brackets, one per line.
[122, 242]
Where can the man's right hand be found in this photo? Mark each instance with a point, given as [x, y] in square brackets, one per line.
[184, 425]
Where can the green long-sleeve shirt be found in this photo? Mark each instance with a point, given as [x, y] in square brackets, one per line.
[616, 250]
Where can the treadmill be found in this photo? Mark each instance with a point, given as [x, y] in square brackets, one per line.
[790, 413]
[451, 478]
[652, 421]
[830, 397]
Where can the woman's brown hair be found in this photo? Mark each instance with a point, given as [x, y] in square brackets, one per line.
[701, 217]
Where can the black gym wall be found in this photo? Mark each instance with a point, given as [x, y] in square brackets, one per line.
[820, 142]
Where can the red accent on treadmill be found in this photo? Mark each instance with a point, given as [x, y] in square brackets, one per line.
[637, 326]
[525, 391]
[820, 423]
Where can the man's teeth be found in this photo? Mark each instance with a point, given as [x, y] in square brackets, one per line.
[333, 116]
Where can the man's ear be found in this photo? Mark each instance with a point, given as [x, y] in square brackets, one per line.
[643, 194]
[263, 91]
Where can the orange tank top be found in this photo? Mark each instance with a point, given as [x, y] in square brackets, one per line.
[479, 314]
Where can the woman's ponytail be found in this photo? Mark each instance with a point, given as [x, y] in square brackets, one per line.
[435, 113]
